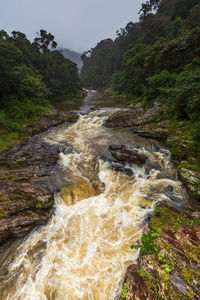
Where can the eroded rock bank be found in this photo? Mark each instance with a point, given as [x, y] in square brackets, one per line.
[155, 123]
[169, 261]
[26, 185]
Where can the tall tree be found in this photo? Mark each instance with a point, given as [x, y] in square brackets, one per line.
[44, 41]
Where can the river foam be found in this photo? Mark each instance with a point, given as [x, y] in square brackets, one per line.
[84, 250]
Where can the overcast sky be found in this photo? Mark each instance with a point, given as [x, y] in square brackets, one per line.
[76, 24]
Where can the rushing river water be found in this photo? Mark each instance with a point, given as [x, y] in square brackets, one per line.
[84, 250]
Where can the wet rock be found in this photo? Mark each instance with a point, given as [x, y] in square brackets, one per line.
[136, 115]
[121, 168]
[191, 179]
[149, 164]
[92, 108]
[121, 119]
[139, 105]
[68, 150]
[50, 119]
[116, 147]
[129, 156]
[179, 284]
[170, 188]
[196, 214]
[26, 186]
[147, 217]
[21, 223]
[121, 158]
[169, 265]
[137, 287]
[140, 120]
[107, 156]
[151, 131]
[73, 194]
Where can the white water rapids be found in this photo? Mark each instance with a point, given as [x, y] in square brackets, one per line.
[84, 250]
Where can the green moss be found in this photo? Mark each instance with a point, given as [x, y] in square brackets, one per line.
[21, 161]
[187, 275]
[125, 290]
[181, 220]
[190, 295]
[163, 218]
[193, 253]
[7, 139]
[39, 205]
[146, 277]
[189, 166]
[166, 265]
[195, 221]
[166, 268]
[147, 243]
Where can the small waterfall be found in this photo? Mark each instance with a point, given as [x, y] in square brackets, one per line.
[84, 250]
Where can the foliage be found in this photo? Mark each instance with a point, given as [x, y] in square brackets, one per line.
[147, 243]
[44, 40]
[99, 64]
[125, 290]
[182, 7]
[155, 59]
[32, 74]
[184, 96]
[133, 70]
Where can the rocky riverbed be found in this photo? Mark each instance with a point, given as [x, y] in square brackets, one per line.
[168, 266]
[26, 185]
[155, 123]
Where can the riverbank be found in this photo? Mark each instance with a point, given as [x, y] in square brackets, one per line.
[168, 264]
[26, 169]
[155, 122]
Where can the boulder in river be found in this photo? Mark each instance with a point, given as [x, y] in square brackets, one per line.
[122, 158]
[129, 156]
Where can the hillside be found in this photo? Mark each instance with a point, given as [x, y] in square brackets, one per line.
[155, 60]
[72, 55]
[32, 76]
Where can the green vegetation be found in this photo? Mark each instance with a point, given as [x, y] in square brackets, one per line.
[156, 59]
[125, 290]
[147, 243]
[32, 76]
[163, 256]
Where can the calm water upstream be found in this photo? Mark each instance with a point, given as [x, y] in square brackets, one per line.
[84, 250]
[94, 100]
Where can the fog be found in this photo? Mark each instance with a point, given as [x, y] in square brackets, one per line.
[77, 25]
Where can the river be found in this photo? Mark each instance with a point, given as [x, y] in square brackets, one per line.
[84, 250]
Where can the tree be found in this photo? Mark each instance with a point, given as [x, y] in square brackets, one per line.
[182, 7]
[3, 35]
[148, 7]
[44, 41]
[10, 57]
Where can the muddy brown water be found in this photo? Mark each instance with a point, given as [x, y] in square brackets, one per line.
[84, 250]
[93, 100]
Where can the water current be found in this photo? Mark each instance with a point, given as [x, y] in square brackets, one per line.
[84, 250]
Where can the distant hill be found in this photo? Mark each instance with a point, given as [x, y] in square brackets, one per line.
[72, 55]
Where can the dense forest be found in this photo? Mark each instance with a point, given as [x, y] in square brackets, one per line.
[155, 59]
[32, 76]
